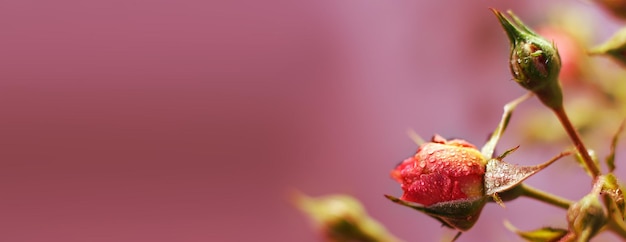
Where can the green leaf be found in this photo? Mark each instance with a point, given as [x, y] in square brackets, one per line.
[614, 47]
[545, 234]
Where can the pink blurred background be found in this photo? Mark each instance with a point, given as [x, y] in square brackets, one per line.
[192, 120]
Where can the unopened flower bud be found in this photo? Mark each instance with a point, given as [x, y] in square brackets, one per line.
[587, 216]
[535, 62]
[451, 181]
[446, 179]
[442, 171]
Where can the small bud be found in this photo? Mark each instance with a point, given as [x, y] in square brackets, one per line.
[535, 62]
[587, 216]
[342, 218]
[615, 7]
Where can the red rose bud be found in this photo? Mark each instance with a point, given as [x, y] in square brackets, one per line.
[535, 62]
[444, 179]
[442, 171]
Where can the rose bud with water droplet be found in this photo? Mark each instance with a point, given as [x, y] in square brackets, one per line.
[442, 171]
[446, 177]
[451, 181]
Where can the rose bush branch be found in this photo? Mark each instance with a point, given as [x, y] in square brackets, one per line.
[452, 180]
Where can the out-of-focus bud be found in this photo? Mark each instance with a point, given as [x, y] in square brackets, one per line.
[615, 7]
[571, 51]
[342, 218]
[535, 62]
[587, 216]
[571, 29]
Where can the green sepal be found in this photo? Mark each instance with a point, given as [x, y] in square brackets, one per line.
[458, 214]
[501, 176]
[613, 192]
[610, 159]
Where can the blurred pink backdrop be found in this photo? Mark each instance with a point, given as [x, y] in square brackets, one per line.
[192, 120]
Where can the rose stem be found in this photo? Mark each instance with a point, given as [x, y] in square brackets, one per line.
[546, 197]
[575, 137]
[615, 224]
